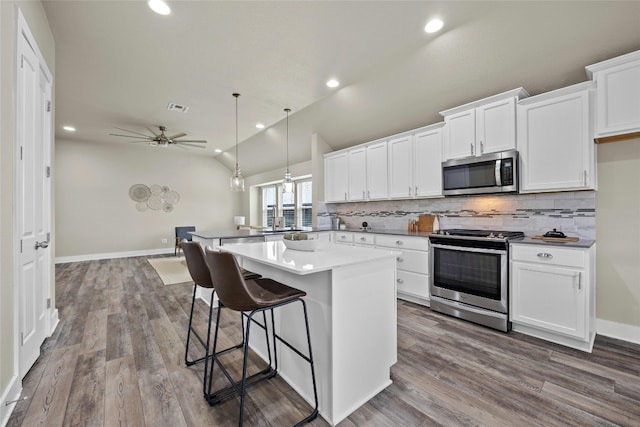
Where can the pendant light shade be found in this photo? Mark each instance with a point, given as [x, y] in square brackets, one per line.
[237, 180]
[287, 183]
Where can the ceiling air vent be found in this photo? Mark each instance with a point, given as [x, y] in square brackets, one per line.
[177, 107]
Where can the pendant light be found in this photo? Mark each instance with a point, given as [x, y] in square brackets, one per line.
[237, 180]
[287, 183]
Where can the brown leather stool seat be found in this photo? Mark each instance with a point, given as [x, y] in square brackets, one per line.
[199, 271]
[253, 296]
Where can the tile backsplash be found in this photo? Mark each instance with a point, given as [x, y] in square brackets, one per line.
[573, 213]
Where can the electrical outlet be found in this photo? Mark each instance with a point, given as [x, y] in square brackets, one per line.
[164, 240]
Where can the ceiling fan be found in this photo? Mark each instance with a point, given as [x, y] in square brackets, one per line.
[160, 139]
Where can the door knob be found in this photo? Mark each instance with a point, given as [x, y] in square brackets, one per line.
[44, 244]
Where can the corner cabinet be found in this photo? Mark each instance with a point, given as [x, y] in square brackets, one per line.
[555, 141]
[415, 163]
[552, 293]
[480, 127]
[617, 97]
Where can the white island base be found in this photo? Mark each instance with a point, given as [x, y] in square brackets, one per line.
[351, 301]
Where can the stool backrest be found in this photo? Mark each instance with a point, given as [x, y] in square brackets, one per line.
[196, 263]
[229, 283]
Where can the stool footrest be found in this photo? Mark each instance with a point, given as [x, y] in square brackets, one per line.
[225, 393]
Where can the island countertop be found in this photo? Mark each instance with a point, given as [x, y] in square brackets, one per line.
[327, 256]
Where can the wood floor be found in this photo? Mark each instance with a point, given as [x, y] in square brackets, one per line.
[116, 359]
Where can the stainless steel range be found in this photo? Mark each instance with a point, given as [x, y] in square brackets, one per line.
[470, 275]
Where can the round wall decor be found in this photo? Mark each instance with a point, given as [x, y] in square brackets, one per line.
[153, 197]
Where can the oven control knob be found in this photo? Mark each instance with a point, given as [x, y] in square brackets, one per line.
[491, 235]
[500, 236]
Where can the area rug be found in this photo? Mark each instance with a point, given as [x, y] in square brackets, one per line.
[171, 270]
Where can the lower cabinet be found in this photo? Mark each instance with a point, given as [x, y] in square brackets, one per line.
[552, 293]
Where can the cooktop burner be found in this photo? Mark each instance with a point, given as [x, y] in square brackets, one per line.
[482, 234]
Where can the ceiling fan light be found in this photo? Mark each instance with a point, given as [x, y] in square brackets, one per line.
[159, 7]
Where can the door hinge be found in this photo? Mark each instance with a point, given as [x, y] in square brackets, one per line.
[21, 151]
[21, 246]
[48, 236]
[21, 338]
[48, 302]
[22, 61]
[48, 106]
[48, 171]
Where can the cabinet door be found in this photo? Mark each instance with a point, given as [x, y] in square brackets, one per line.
[336, 177]
[496, 126]
[400, 182]
[618, 100]
[549, 298]
[357, 174]
[427, 167]
[460, 135]
[377, 171]
[555, 144]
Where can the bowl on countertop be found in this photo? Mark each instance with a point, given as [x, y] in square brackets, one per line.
[308, 245]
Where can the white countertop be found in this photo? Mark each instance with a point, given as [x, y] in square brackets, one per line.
[327, 255]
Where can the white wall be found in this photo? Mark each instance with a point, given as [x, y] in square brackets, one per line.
[618, 225]
[95, 215]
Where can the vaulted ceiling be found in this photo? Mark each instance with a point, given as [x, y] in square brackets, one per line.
[118, 64]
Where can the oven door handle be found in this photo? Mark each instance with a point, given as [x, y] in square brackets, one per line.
[465, 249]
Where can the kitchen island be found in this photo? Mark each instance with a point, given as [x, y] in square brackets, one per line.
[351, 301]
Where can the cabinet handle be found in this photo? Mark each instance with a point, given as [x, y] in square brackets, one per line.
[399, 259]
[345, 195]
[343, 237]
[363, 239]
[399, 242]
[545, 255]
[363, 195]
[585, 177]
[399, 280]
[368, 194]
[409, 190]
[416, 191]
[471, 145]
[579, 280]
[481, 147]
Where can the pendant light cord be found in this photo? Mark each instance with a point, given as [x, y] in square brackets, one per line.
[288, 110]
[236, 96]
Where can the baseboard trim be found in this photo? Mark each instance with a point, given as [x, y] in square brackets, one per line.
[10, 393]
[93, 257]
[53, 322]
[618, 331]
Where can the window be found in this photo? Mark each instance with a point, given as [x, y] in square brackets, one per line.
[296, 208]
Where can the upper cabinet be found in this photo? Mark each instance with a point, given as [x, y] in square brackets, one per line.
[415, 160]
[357, 174]
[336, 177]
[555, 142]
[480, 127]
[377, 171]
[617, 97]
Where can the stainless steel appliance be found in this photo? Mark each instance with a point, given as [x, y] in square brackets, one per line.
[470, 275]
[489, 173]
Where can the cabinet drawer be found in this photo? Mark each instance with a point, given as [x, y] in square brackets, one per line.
[413, 283]
[413, 261]
[363, 239]
[545, 254]
[403, 242]
[343, 237]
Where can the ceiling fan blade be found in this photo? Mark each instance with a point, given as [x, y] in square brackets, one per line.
[153, 132]
[148, 138]
[137, 133]
[200, 141]
[178, 135]
[188, 144]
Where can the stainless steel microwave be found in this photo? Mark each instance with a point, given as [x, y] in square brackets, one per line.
[489, 173]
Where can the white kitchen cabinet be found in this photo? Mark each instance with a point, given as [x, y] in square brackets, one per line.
[357, 174]
[617, 96]
[377, 171]
[481, 127]
[415, 163]
[336, 177]
[555, 141]
[552, 294]
[412, 265]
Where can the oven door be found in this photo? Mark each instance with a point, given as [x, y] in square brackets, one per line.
[475, 276]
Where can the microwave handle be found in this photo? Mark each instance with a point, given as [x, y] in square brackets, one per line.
[498, 174]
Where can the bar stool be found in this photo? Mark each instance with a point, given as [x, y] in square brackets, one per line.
[199, 271]
[253, 296]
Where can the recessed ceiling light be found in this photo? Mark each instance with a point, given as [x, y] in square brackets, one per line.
[259, 125]
[217, 150]
[333, 83]
[69, 128]
[433, 26]
[159, 6]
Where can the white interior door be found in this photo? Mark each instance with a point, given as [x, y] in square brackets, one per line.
[33, 151]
